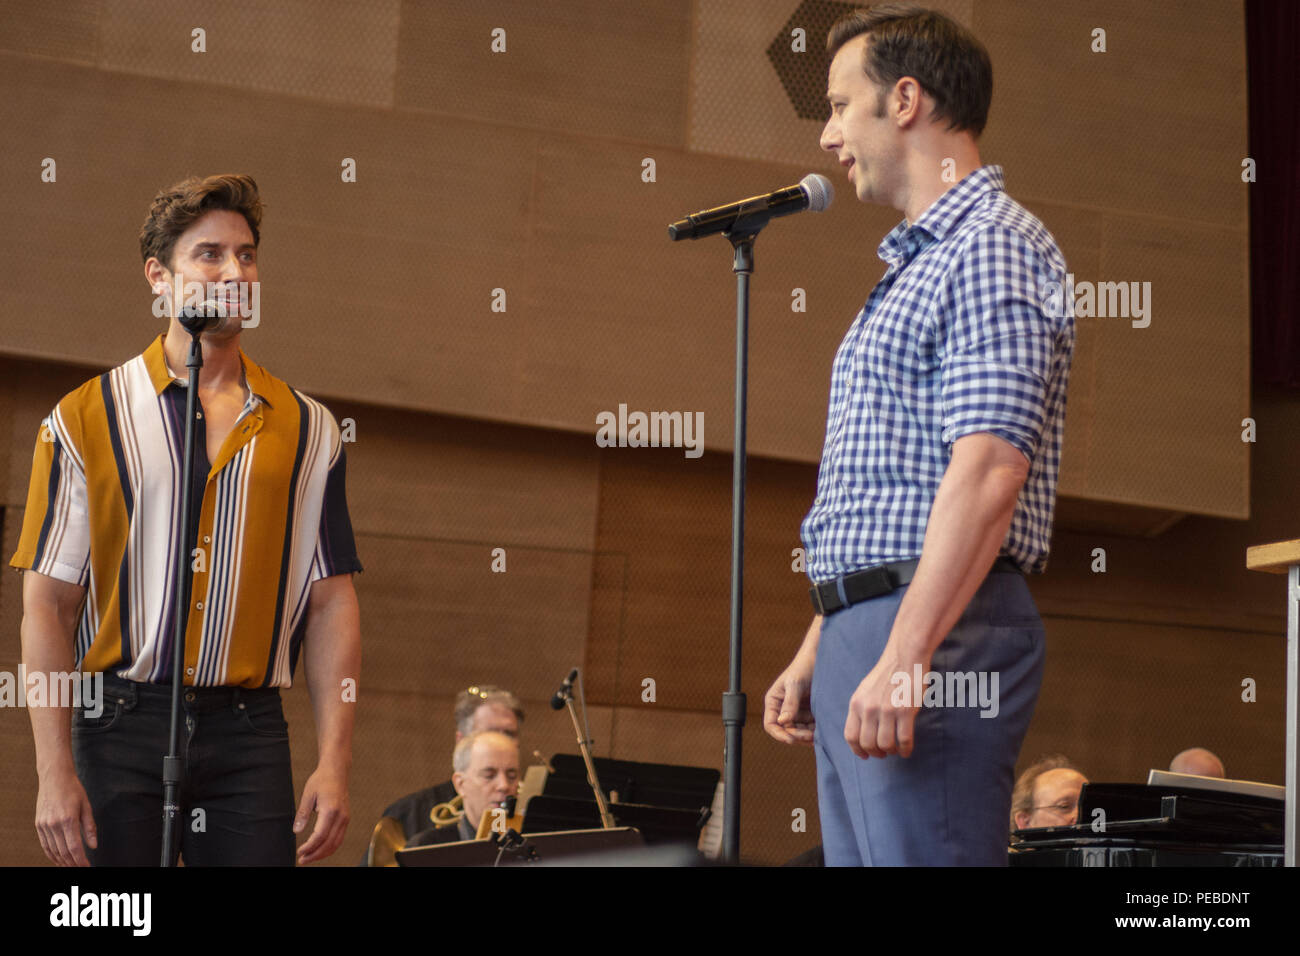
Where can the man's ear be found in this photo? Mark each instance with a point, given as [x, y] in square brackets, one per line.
[1022, 819]
[910, 102]
[156, 274]
[458, 781]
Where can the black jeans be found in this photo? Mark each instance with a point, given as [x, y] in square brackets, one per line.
[236, 796]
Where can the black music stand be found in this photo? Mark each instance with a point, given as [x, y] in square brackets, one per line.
[571, 848]
[658, 825]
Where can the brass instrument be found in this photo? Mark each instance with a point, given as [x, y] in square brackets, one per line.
[387, 837]
[385, 841]
[448, 813]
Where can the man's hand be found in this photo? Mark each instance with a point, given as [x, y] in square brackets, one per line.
[876, 725]
[63, 816]
[326, 794]
[787, 708]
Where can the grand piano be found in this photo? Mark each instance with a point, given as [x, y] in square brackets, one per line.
[1191, 823]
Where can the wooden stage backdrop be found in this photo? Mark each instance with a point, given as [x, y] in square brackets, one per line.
[542, 178]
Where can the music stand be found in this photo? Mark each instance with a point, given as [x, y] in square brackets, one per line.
[577, 847]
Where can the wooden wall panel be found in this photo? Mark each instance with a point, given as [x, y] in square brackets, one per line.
[65, 31]
[331, 50]
[673, 523]
[19, 845]
[617, 71]
[436, 619]
[1156, 125]
[1183, 451]
[426, 477]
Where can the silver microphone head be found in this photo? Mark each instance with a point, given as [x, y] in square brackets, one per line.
[819, 190]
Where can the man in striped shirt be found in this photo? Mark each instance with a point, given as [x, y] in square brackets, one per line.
[271, 578]
[938, 473]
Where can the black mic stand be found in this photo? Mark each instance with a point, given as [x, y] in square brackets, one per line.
[753, 217]
[173, 764]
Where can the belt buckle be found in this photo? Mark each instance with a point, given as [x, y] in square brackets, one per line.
[818, 605]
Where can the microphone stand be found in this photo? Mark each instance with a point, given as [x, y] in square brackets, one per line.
[753, 217]
[173, 764]
[584, 746]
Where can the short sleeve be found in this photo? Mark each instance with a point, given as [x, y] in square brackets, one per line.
[55, 538]
[336, 548]
[998, 342]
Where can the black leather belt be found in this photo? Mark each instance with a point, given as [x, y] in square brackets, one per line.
[832, 596]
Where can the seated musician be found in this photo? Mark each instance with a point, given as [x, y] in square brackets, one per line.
[1047, 794]
[486, 772]
[1198, 761]
[480, 708]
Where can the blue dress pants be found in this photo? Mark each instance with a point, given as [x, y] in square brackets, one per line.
[949, 803]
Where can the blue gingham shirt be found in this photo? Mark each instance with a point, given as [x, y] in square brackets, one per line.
[958, 337]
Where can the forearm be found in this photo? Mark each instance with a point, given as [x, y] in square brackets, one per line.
[808, 649]
[47, 644]
[332, 657]
[968, 522]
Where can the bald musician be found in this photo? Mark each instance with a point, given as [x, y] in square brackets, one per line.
[1198, 761]
[486, 772]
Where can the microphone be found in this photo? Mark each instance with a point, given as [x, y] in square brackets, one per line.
[207, 316]
[565, 691]
[813, 192]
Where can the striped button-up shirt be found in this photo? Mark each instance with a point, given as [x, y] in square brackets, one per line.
[958, 337]
[104, 512]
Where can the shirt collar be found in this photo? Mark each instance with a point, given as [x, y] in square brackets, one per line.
[155, 360]
[907, 239]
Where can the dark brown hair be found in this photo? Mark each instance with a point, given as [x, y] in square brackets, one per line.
[178, 207]
[944, 57]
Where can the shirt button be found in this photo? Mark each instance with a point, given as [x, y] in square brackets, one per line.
[199, 605]
[189, 696]
[206, 539]
[198, 414]
[189, 671]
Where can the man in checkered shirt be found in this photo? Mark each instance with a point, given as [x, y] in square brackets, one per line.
[938, 474]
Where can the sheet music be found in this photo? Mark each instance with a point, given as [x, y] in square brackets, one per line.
[711, 836]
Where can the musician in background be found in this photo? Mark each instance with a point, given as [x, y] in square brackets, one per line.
[1047, 794]
[1198, 761]
[479, 708]
[486, 772]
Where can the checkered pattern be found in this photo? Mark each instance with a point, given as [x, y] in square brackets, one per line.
[955, 339]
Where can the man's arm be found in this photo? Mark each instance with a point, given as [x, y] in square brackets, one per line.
[51, 609]
[787, 707]
[332, 655]
[968, 522]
